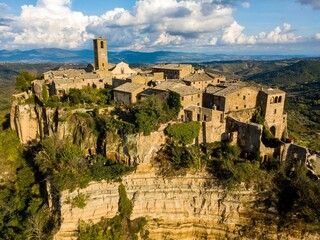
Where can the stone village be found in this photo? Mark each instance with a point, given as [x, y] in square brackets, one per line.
[223, 107]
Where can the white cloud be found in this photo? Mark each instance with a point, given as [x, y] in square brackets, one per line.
[245, 5]
[279, 35]
[165, 39]
[317, 36]
[4, 7]
[234, 35]
[151, 24]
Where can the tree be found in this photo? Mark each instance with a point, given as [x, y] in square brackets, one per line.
[184, 133]
[23, 80]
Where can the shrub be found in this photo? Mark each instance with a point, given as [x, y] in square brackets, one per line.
[183, 133]
[79, 201]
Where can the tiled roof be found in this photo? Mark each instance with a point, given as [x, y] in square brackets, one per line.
[186, 90]
[129, 87]
[197, 77]
[168, 85]
[213, 89]
[172, 66]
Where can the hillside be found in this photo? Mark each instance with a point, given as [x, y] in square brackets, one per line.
[300, 72]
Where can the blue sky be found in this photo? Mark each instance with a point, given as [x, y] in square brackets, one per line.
[215, 26]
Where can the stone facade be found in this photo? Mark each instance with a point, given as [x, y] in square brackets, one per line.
[100, 54]
[174, 71]
[271, 102]
[127, 93]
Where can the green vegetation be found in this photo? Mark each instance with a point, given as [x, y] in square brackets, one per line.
[65, 164]
[89, 95]
[23, 80]
[117, 228]
[23, 209]
[80, 201]
[147, 115]
[183, 133]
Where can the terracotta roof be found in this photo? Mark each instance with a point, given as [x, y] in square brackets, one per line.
[129, 87]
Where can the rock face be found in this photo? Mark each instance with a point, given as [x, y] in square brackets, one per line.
[182, 207]
[186, 207]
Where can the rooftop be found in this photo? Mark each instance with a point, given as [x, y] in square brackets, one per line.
[201, 76]
[129, 87]
[272, 91]
[172, 66]
[186, 90]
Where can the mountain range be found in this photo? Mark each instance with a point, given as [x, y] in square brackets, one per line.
[86, 56]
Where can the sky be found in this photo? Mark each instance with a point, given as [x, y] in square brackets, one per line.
[209, 26]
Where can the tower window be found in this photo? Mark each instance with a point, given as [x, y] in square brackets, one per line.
[101, 45]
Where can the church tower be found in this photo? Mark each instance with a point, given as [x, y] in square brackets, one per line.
[100, 54]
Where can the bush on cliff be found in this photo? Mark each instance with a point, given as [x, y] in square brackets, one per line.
[183, 133]
[66, 165]
[148, 114]
[23, 80]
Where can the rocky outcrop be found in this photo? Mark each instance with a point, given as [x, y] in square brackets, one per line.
[181, 207]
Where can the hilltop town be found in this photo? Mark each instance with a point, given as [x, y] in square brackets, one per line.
[224, 107]
[77, 144]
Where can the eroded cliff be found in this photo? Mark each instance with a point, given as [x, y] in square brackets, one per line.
[181, 207]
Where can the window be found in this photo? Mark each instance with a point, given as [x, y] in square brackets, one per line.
[101, 45]
[280, 99]
[245, 106]
[244, 97]
[236, 107]
[272, 100]
[198, 95]
[275, 111]
[182, 98]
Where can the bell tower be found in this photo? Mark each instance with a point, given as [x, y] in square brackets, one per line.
[100, 54]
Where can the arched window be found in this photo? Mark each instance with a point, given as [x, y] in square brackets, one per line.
[280, 99]
[273, 130]
[276, 100]
[272, 100]
[101, 45]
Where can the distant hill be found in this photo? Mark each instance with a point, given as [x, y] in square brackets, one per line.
[303, 71]
[86, 56]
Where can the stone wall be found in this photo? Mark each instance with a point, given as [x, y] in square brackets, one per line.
[249, 134]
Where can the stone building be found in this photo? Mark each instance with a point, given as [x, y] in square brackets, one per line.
[174, 71]
[230, 98]
[100, 54]
[122, 71]
[128, 93]
[271, 102]
[201, 79]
